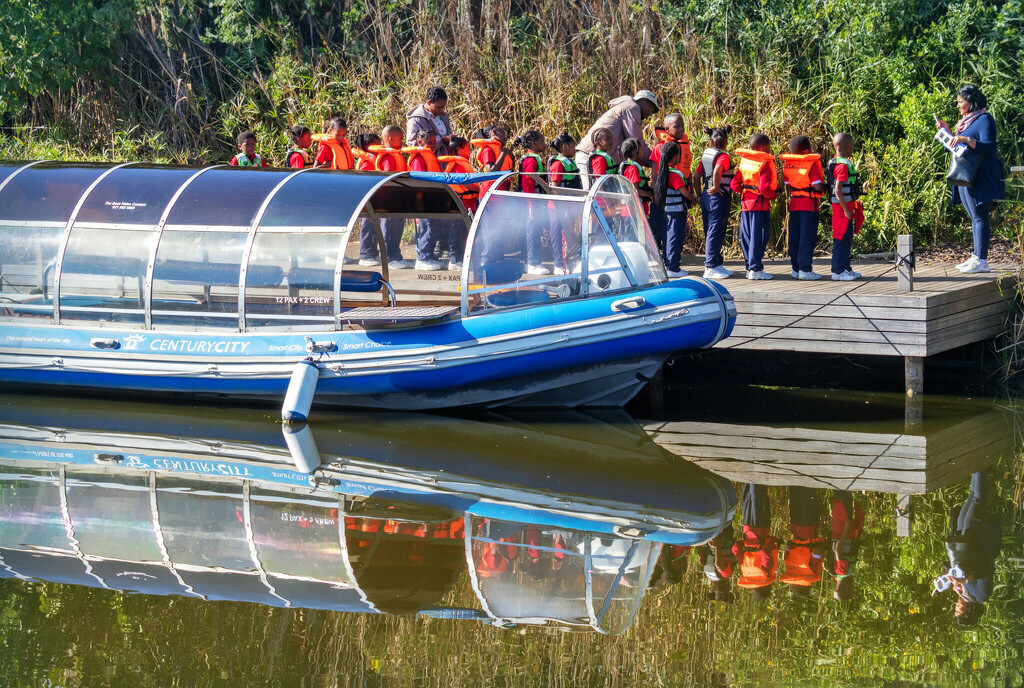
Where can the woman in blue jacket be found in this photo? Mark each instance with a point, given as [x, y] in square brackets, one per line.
[977, 130]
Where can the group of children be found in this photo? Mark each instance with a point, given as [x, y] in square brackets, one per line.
[669, 190]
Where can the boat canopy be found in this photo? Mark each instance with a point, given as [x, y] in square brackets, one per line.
[147, 246]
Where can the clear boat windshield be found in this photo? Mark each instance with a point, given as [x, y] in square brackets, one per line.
[557, 244]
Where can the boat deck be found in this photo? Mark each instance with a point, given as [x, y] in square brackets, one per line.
[945, 310]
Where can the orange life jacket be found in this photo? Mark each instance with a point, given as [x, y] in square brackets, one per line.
[483, 144]
[383, 152]
[800, 557]
[750, 166]
[342, 158]
[796, 171]
[685, 154]
[751, 573]
[456, 164]
[365, 160]
[429, 159]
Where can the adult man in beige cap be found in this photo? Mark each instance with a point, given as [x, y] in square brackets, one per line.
[624, 119]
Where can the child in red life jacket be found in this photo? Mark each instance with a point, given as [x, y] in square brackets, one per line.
[847, 212]
[847, 526]
[247, 155]
[805, 549]
[718, 561]
[366, 161]
[298, 155]
[805, 184]
[600, 161]
[369, 251]
[430, 233]
[757, 183]
[531, 163]
[758, 551]
[716, 177]
[388, 158]
[328, 154]
[672, 199]
[564, 173]
[494, 156]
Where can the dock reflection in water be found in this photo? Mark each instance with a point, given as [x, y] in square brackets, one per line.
[417, 534]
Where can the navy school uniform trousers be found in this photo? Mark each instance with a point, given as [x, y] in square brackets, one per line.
[803, 237]
[755, 229]
[715, 217]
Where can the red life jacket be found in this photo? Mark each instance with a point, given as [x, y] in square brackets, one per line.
[750, 166]
[802, 566]
[426, 154]
[342, 158]
[456, 164]
[752, 575]
[685, 154]
[364, 159]
[385, 153]
[796, 171]
[483, 144]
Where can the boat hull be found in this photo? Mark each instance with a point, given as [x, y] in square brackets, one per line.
[583, 353]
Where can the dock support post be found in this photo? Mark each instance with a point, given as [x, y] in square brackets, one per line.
[904, 263]
[656, 394]
[904, 515]
[913, 374]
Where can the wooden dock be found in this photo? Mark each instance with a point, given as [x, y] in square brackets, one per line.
[946, 309]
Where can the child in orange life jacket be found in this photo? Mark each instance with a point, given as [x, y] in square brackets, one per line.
[429, 233]
[847, 526]
[369, 251]
[247, 156]
[298, 155]
[328, 154]
[600, 161]
[672, 198]
[531, 163]
[494, 156]
[805, 184]
[671, 131]
[564, 173]
[389, 158]
[717, 561]
[757, 184]
[457, 162]
[804, 551]
[758, 551]
[715, 200]
[847, 212]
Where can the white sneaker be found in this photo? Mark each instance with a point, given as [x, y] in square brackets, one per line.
[454, 266]
[369, 262]
[971, 259]
[676, 273]
[400, 264]
[842, 277]
[795, 274]
[758, 275]
[856, 275]
[809, 275]
[977, 266]
[428, 265]
[717, 273]
[726, 271]
[537, 270]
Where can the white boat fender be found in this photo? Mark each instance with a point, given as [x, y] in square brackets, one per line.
[302, 447]
[301, 388]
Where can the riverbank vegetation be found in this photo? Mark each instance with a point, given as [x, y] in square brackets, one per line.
[175, 80]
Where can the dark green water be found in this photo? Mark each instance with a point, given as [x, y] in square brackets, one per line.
[241, 580]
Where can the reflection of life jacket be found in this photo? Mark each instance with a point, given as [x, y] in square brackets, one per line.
[490, 144]
[607, 159]
[852, 187]
[803, 562]
[342, 158]
[383, 152]
[365, 160]
[306, 157]
[244, 161]
[495, 558]
[571, 175]
[796, 171]
[707, 171]
[749, 169]
[456, 164]
[752, 575]
[685, 154]
[430, 160]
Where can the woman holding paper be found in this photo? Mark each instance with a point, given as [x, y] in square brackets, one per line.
[977, 131]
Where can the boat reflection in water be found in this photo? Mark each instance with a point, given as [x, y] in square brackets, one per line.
[560, 527]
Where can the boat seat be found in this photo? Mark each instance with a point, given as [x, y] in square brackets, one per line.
[322, 279]
[216, 274]
[505, 271]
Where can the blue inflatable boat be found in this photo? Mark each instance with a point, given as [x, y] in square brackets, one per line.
[220, 281]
